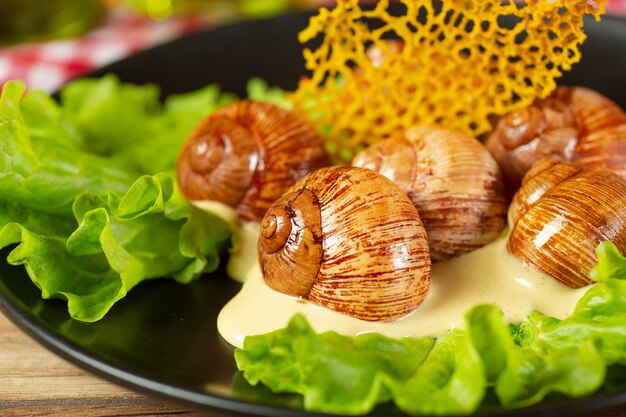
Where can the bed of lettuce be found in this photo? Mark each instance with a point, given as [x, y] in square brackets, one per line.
[88, 198]
[90, 206]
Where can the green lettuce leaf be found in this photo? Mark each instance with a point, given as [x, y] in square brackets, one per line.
[521, 364]
[121, 240]
[76, 203]
[260, 90]
[38, 172]
[524, 375]
[340, 374]
[111, 114]
[334, 373]
[449, 381]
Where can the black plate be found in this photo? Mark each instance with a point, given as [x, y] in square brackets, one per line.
[162, 338]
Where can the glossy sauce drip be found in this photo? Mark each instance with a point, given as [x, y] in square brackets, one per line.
[489, 275]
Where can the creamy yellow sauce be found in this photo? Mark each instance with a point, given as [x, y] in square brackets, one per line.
[243, 256]
[221, 210]
[489, 275]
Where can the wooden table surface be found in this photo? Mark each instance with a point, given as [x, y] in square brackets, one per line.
[36, 382]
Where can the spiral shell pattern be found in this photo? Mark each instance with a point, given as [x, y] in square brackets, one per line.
[452, 180]
[247, 155]
[350, 240]
[561, 214]
[574, 124]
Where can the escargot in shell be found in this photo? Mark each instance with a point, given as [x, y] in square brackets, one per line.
[562, 213]
[350, 240]
[246, 155]
[574, 124]
[453, 181]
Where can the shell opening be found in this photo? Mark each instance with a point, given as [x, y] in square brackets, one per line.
[522, 126]
[290, 246]
[276, 229]
[218, 162]
[206, 153]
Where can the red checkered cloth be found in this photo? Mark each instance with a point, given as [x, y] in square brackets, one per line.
[48, 65]
[616, 7]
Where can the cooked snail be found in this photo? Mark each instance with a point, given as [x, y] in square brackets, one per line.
[561, 213]
[246, 155]
[350, 240]
[453, 181]
[574, 124]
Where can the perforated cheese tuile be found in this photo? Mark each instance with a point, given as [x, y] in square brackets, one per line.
[457, 63]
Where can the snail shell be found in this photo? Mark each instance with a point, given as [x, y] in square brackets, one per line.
[574, 124]
[350, 240]
[453, 181]
[561, 213]
[246, 155]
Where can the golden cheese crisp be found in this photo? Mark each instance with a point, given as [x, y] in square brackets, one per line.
[455, 63]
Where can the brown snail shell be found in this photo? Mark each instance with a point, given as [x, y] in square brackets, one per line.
[246, 155]
[561, 213]
[350, 240]
[453, 181]
[574, 124]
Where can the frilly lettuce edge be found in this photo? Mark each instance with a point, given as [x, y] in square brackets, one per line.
[151, 231]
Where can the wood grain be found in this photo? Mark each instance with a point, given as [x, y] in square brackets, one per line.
[36, 382]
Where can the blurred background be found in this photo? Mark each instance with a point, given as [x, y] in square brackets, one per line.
[47, 42]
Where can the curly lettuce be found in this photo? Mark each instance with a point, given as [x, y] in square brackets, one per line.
[518, 364]
[88, 201]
